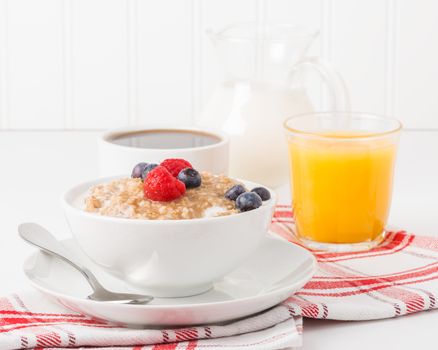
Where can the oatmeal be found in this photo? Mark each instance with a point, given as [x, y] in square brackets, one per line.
[125, 198]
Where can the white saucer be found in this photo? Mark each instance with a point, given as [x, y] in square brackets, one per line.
[276, 270]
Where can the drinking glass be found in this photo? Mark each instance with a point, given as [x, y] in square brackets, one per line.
[341, 173]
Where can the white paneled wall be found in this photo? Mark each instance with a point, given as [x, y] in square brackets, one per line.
[104, 63]
[96, 60]
[416, 63]
[357, 47]
[215, 14]
[34, 64]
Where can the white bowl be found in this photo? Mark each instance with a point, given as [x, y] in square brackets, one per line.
[167, 258]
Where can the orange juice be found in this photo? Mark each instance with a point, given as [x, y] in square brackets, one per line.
[341, 186]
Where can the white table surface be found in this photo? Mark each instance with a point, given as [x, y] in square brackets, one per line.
[36, 167]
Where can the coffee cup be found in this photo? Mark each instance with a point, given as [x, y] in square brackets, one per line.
[121, 149]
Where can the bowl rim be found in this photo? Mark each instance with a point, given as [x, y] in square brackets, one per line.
[68, 206]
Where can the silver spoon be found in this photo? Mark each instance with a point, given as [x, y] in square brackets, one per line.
[43, 239]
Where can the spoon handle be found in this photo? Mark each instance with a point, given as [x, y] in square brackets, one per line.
[38, 236]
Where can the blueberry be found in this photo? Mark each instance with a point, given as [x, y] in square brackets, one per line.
[234, 192]
[248, 201]
[147, 169]
[190, 177]
[138, 170]
[262, 192]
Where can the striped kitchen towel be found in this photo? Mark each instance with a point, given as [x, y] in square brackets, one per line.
[29, 320]
[398, 277]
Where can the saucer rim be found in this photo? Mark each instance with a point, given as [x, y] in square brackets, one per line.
[303, 280]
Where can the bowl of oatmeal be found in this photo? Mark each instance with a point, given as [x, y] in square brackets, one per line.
[168, 248]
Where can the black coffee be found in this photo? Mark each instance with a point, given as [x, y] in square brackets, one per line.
[164, 139]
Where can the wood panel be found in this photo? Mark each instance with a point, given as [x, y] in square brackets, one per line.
[308, 14]
[34, 63]
[215, 15]
[4, 114]
[416, 102]
[99, 63]
[106, 63]
[358, 50]
[165, 62]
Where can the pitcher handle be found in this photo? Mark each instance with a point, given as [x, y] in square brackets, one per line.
[339, 97]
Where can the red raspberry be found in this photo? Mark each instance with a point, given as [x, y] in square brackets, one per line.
[161, 186]
[175, 165]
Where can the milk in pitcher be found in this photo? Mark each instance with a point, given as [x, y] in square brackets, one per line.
[252, 114]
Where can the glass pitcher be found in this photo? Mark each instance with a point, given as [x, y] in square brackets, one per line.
[265, 67]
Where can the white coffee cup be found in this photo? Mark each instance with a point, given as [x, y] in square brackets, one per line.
[121, 149]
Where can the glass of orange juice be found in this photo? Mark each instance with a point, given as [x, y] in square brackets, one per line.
[341, 169]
